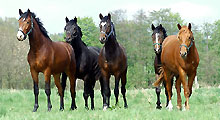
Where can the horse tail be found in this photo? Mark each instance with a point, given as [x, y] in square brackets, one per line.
[63, 82]
[160, 79]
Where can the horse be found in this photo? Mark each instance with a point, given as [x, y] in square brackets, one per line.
[87, 67]
[112, 61]
[158, 36]
[46, 56]
[180, 58]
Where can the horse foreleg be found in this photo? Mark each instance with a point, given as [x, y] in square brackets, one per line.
[182, 76]
[116, 90]
[123, 89]
[47, 76]
[60, 90]
[178, 91]
[191, 78]
[34, 75]
[86, 91]
[72, 90]
[106, 89]
[158, 90]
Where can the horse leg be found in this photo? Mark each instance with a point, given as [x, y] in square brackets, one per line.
[34, 75]
[182, 76]
[63, 83]
[47, 76]
[158, 90]
[86, 91]
[123, 89]
[169, 88]
[60, 91]
[116, 90]
[72, 90]
[191, 78]
[106, 89]
[178, 91]
[92, 96]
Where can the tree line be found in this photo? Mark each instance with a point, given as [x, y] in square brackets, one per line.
[134, 34]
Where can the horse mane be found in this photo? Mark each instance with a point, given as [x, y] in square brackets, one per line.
[40, 24]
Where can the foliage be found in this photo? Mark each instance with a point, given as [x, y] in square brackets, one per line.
[134, 34]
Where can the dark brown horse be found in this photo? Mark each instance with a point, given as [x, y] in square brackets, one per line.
[112, 61]
[158, 36]
[46, 56]
[180, 58]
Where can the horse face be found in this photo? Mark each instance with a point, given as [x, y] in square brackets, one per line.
[105, 28]
[185, 37]
[25, 25]
[157, 38]
[71, 29]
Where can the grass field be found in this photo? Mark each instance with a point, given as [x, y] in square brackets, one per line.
[18, 105]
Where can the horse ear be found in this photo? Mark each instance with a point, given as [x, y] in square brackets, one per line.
[100, 16]
[161, 25]
[75, 19]
[20, 12]
[28, 11]
[152, 27]
[109, 16]
[189, 26]
[67, 20]
[179, 26]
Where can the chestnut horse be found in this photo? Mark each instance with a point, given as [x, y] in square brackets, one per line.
[46, 56]
[112, 61]
[87, 67]
[158, 36]
[180, 58]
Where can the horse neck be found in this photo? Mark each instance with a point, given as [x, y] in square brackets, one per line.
[36, 38]
[78, 46]
[111, 45]
[190, 55]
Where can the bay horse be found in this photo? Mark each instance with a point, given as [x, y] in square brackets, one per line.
[180, 58]
[158, 36]
[46, 56]
[87, 67]
[112, 61]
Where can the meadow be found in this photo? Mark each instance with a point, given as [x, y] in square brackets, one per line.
[18, 105]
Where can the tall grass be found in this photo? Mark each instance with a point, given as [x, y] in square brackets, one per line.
[18, 105]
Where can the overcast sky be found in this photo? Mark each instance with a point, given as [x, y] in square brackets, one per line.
[53, 12]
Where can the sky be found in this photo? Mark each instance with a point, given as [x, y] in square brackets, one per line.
[53, 12]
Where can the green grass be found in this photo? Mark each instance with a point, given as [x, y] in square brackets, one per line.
[18, 105]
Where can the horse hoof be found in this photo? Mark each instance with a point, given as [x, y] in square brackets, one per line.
[93, 108]
[49, 109]
[125, 106]
[179, 107]
[170, 106]
[61, 109]
[86, 107]
[35, 108]
[159, 107]
[73, 108]
[105, 108]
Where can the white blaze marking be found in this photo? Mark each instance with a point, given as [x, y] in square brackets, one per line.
[170, 106]
[157, 37]
[103, 23]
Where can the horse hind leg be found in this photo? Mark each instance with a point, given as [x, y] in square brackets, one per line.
[123, 89]
[47, 76]
[60, 90]
[167, 78]
[86, 92]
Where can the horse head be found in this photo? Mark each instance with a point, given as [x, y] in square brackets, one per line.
[106, 28]
[158, 36]
[72, 30]
[186, 39]
[25, 25]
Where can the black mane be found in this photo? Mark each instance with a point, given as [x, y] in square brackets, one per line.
[40, 24]
[159, 28]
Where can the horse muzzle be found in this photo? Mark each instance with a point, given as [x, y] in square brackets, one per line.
[21, 36]
[102, 40]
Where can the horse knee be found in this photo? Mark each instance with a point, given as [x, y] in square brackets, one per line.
[116, 91]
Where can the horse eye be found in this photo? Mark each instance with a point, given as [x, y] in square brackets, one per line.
[27, 22]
